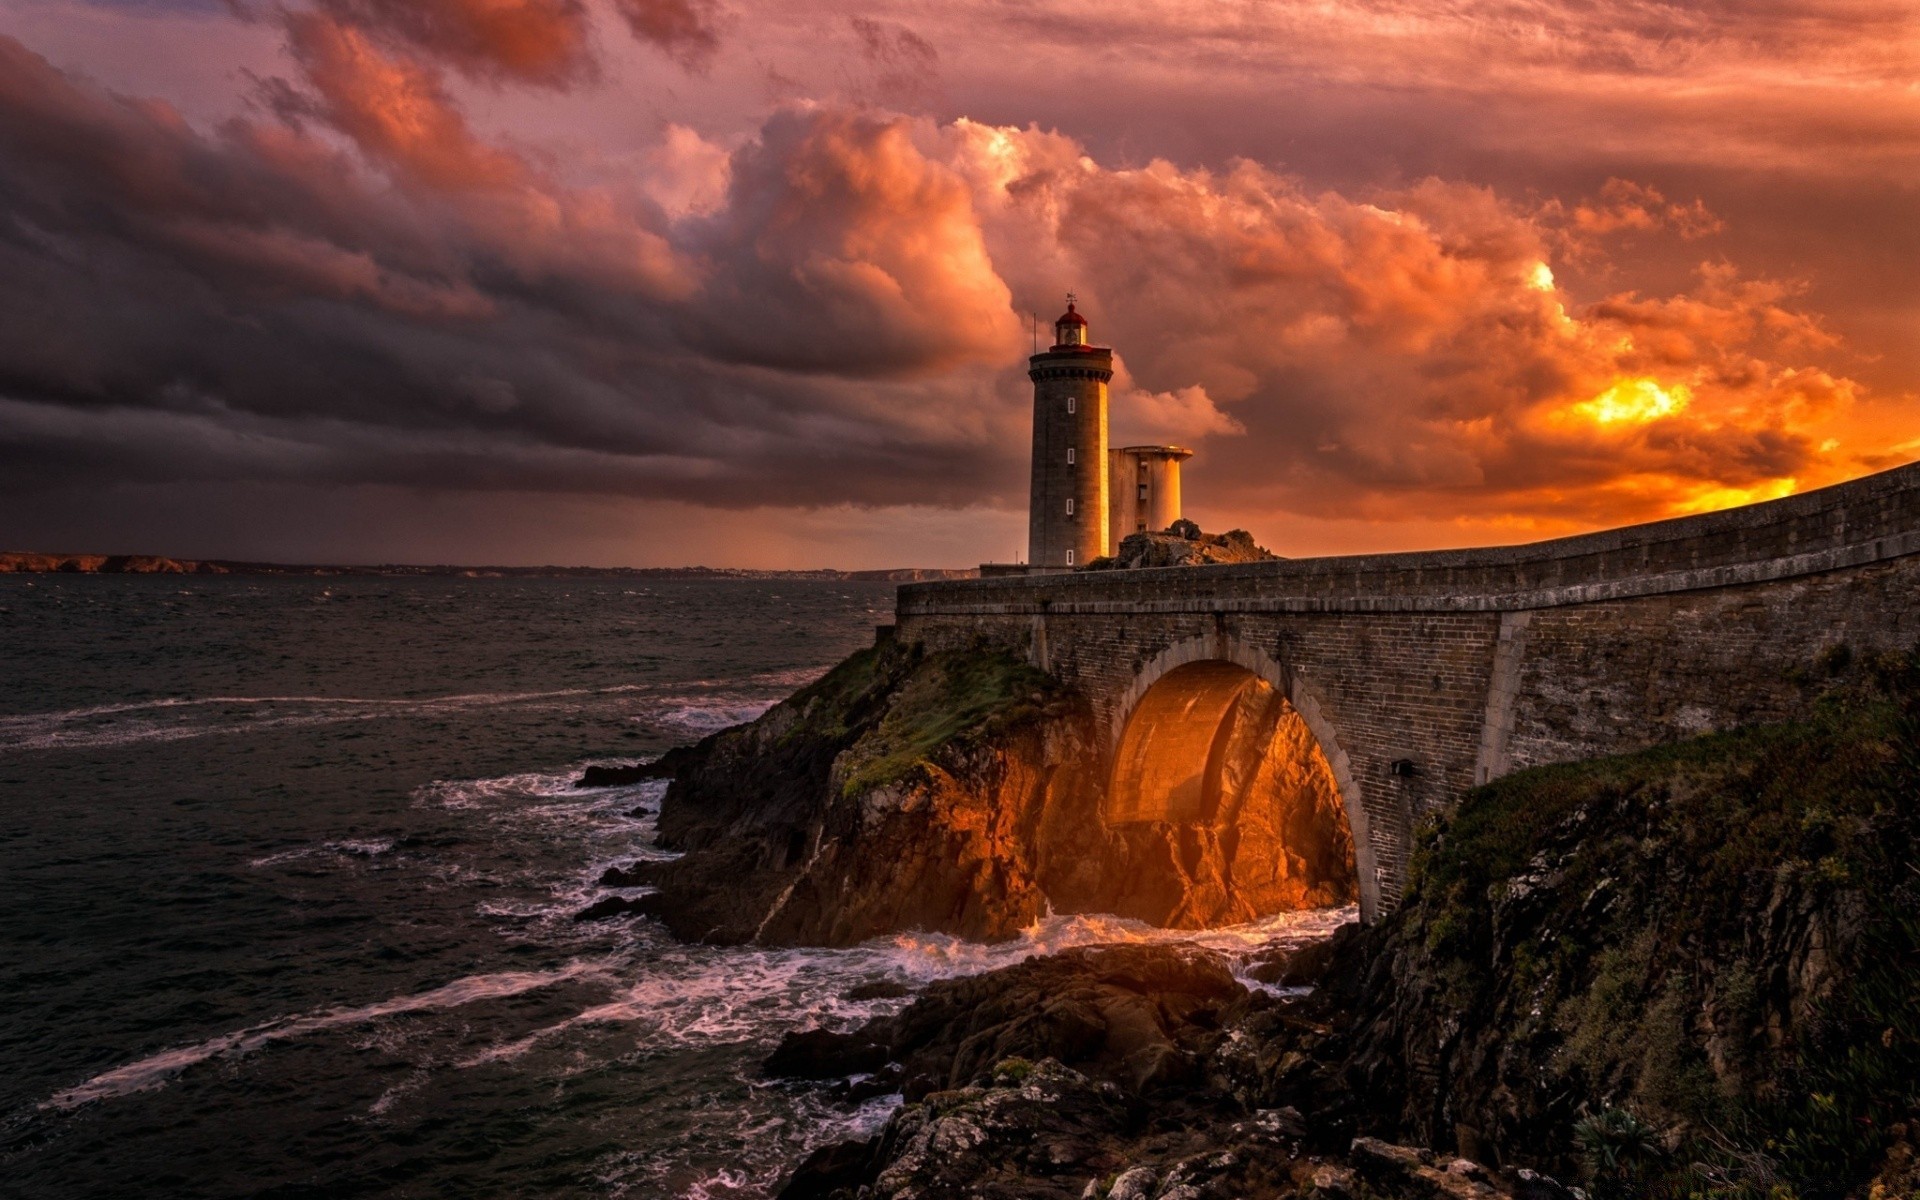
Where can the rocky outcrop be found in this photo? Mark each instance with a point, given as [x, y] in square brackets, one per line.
[900, 791]
[1702, 959]
[1183, 545]
[1144, 1017]
[1686, 972]
[963, 793]
[1106, 1073]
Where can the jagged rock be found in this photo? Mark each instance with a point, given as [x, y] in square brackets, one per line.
[824, 1054]
[1143, 1017]
[627, 774]
[1044, 1136]
[833, 1170]
[1698, 930]
[1139, 1183]
[1293, 966]
[1182, 545]
[613, 906]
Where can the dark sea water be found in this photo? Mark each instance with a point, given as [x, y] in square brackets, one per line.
[287, 873]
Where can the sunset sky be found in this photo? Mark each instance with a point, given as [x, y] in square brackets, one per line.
[737, 282]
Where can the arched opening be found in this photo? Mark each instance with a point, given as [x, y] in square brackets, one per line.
[1226, 805]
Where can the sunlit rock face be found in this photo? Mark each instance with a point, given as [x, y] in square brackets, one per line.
[967, 793]
[1222, 806]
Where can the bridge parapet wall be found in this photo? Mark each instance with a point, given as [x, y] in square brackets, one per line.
[1850, 524]
[1467, 664]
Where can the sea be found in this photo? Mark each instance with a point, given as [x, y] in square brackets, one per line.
[288, 873]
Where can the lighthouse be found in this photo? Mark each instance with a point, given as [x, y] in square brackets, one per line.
[1068, 515]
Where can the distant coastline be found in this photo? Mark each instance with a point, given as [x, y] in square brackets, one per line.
[22, 562]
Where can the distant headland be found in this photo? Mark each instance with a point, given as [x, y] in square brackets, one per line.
[23, 562]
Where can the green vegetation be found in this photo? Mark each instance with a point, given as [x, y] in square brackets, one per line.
[944, 699]
[835, 706]
[1718, 940]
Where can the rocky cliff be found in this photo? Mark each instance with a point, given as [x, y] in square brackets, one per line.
[1701, 962]
[962, 793]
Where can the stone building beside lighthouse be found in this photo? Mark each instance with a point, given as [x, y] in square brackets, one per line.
[1085, 498]
[1143, 489]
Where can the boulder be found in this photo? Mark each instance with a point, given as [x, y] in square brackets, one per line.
[825, 1054]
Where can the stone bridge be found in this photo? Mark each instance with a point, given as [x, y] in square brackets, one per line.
[1423, 674]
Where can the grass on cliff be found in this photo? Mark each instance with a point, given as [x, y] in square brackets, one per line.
[1649, 885]
[837, 705]
[945, 697]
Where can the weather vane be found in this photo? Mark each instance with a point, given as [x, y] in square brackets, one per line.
[1070, 298]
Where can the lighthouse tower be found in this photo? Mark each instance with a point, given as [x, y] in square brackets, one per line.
[1067, 523]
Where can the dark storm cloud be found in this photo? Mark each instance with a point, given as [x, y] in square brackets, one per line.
[251, 305]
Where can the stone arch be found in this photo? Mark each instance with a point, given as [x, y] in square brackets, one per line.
[1214, 692]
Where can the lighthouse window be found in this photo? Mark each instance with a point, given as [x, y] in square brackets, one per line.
[1143, 491]
[1069, 558]
[1069, 507]
[1069, 455]
[1069, 405]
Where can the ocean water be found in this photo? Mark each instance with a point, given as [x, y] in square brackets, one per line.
[288, 870]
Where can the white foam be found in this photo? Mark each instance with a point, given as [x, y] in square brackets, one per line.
[696, 995]
[708, 716]
[156, 1070]
[345, 848]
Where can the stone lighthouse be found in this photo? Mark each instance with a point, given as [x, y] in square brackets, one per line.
[1067, 523]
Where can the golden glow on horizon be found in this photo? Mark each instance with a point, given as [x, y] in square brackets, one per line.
[1709, 498]
[1635, 401]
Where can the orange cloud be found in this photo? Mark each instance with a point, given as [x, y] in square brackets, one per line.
[1411, 352]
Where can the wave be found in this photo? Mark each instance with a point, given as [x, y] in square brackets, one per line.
[344, 848]
[111, 725]
[709, 716]
[156, 1070]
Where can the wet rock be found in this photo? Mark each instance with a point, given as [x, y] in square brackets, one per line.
[879, 989]
[824, 1054]
[613, 906]
[640, 810]
[626, 774]
[631, 875]
[832, 1171]
[1144, 1017]
[1293, 966]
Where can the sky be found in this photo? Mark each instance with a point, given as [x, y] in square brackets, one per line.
[746, 283]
